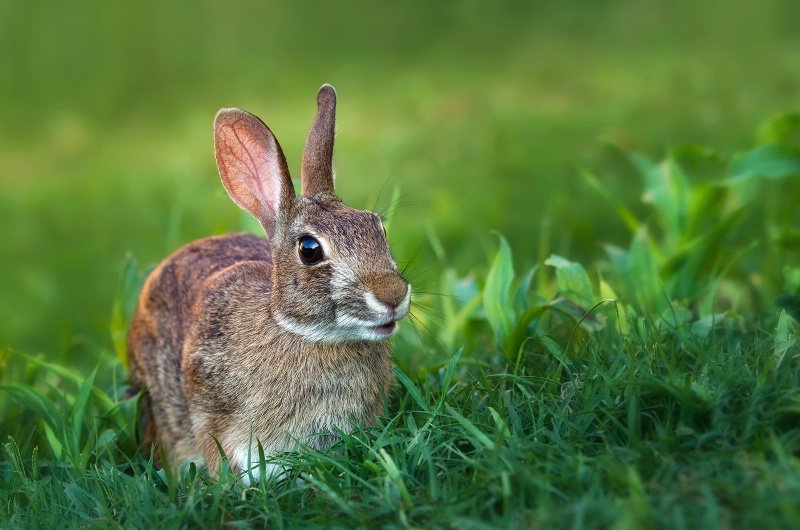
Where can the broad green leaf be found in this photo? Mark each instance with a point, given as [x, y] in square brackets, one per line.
[521, 295]
[497, 302]
[573, 282]
[772, 161]
[642, 279]
[667, 189]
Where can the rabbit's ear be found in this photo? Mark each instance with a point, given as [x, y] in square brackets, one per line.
[317, 169]
[252, 166]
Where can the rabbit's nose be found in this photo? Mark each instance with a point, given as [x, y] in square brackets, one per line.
[389, 289]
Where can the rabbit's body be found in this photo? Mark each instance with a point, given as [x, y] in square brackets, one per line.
[246, 341]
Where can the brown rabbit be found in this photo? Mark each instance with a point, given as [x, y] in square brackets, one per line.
[246, 340]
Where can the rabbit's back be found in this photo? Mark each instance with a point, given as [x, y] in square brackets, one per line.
[166, 313]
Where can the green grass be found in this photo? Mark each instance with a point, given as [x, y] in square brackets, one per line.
[520, 400]
[655, 429]
[598, 200]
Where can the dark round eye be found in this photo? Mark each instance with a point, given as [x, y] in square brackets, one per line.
[309, 250]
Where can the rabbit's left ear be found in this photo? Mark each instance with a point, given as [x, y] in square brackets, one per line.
[317, 169]
[252, 167]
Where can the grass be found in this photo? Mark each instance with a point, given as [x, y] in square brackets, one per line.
[605, 330]
[656, 429]
[520, 400]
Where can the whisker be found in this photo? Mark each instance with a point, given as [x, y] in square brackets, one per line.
[386, 181]
[416, 273]
[429, 309]
[416, 319]
[420, 288]
[412, 319]
[436, 293]
[396, 201]
[436, 318]
[384, 214]
[430, 313]
[412, 259]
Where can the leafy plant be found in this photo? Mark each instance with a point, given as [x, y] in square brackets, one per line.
[689, 245]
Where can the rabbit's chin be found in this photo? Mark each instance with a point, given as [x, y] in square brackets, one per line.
[339, 332]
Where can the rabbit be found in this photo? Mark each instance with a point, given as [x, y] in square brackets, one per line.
[240, 340]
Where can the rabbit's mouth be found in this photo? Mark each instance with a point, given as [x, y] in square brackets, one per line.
[386, 329]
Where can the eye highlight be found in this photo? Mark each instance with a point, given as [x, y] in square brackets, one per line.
[309, 250]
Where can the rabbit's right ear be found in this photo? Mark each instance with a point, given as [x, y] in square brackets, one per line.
[252, 167]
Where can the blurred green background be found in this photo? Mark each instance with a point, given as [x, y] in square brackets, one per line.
[483, 113]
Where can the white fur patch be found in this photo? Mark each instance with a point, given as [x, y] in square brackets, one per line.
[312, 332]
[373, 304]
[404, 306]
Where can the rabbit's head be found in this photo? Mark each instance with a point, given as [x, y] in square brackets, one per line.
[334, 278]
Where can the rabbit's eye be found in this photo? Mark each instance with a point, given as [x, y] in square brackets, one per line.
[309, 250]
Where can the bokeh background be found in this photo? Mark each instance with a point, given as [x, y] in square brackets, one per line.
[483, 114]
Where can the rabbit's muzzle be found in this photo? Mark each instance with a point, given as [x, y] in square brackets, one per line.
[388, 289]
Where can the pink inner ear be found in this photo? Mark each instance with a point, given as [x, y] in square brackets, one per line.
[250, 163]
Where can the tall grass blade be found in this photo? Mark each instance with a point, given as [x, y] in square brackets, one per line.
[471, 429]
[412, 390]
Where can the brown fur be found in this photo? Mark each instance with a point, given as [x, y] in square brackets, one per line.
[235, 339]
